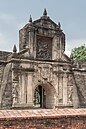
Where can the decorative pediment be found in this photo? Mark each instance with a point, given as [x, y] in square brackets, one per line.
[47, 23]
[44, 22]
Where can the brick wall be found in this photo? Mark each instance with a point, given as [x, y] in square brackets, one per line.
[43, 119]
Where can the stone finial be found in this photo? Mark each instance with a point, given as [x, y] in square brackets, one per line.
[59, 25]
[45, 12]
[30, 20]
[14, 49]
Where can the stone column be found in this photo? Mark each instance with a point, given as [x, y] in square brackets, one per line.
[65, 89]
[55, 84]
[75, 97]
[55, 48]
[23, 90]
[20, 88]
[60, 89]
[60, 49]
[34, 45]
[15, 93]
[29, 90]
[15, 84]
[56, 87]
[31, 40]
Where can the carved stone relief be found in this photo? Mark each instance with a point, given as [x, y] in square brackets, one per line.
[70, 80]
[70, 92]
[15, 92]
[44, 47]
[70, 84]
[45, 73]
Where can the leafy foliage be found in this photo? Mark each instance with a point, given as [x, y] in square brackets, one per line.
[79, 53]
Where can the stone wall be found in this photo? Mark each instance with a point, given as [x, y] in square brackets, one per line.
[44, 70]
[2, 66]
[54, 77]
[79, 70]
[5, 80]
[41, 61]
[6, 87]
[71, 122]
[43, 119]
[4, 55]
[3, 58]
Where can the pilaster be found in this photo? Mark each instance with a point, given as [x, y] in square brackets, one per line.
[29, 90]
[65, 89]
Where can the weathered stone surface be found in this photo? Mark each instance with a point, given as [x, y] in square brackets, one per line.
[6, 87]
[41, 62]
[43, 119]
[80, 79]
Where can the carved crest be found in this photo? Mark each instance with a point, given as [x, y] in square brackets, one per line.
[45, 73]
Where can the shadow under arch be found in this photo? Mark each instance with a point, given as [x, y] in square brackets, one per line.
[46, 95]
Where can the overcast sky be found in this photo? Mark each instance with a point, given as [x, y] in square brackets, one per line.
[14, 14]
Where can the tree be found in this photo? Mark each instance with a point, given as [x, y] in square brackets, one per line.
[79, 53]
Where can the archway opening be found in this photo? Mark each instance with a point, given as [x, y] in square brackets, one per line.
[45, 96]
[40, 97]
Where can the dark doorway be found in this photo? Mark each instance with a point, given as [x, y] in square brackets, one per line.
[40, 97]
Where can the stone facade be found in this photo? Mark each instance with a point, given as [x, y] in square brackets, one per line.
[41, 69]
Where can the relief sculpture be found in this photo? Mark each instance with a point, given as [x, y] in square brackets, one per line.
[15, 92]
[43, 49]
[70, 92]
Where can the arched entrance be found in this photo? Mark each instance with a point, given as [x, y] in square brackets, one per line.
[44, 96]
[40, 97]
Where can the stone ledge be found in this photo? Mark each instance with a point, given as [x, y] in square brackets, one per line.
[44, 113]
